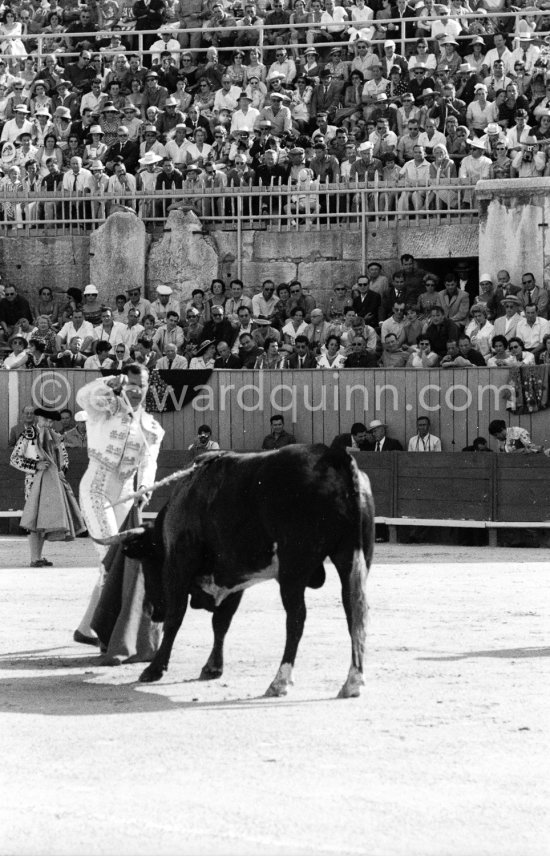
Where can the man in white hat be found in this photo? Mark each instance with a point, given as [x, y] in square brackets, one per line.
[151, 142]
[245, 117]
[169, 118]
[136, 301]
[383, 443]
[16, 126]
[506, 324]
[475, 166]
[166, 301]
[278, 114]
[178, 146]
[527, 52]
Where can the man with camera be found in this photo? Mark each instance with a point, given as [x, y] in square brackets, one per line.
[529, 162]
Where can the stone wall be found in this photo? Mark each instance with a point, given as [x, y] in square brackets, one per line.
[120, 253]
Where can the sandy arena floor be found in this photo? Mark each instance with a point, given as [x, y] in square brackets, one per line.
[447, 752]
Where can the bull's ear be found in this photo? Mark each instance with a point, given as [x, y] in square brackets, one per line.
[120, 537]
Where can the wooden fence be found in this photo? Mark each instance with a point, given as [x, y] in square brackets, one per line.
[470, 487]
[317, 405]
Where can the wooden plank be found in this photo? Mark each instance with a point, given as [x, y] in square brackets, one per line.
[248, 411]
[473, 415]
[331, 415]
[4, 409]
[456, 400]
[298, 420]
[314, 396]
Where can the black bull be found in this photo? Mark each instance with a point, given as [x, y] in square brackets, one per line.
[237, 519]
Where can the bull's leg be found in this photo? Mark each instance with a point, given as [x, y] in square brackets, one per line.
[177, 598]
[221, 621]
[352, 569]
[292, 595]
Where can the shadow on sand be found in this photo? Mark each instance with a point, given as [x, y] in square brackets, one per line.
[84, 694]
[499, 653]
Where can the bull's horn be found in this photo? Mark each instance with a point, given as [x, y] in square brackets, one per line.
[120, 537]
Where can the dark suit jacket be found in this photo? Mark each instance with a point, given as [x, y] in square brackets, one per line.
[66, 362]
[201, 123]
[390, 445]
[370, 304]
[343, 441]
[221, 332]
[148, 17]
[309, 362]
[322, 101]
[232, 362]
[129, 152]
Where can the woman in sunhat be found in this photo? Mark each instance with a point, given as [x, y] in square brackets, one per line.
[96, 149]
[51, 511]
[109, 119]
[39, 98]
[205, 355]
[147, 182]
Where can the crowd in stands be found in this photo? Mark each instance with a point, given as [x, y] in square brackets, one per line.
[268, 92]
[410, 319]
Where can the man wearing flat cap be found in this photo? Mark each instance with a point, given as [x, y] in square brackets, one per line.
[276, 113]
[136, 301]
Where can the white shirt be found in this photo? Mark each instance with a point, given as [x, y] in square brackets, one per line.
[227, 100]
[178, 153]
[160, 45]
[83, 180]
[241, 121]
[115, 336]
[429, 443]
[132, 334]
[334, 22]
[69, 330]
[506, 57]
[532, 336]
[177, 363]
[93, 363]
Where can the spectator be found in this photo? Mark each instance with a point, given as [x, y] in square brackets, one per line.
[383, 443]
[272, 358]
[27, 422]
[225, 359]
[301, 357]
[441, 330]
[455, 303]
[76, 437]
[100, 359]
[204, 355]
[169, 333]
[203, 442]
[532, 294]
[249, 351]
[333, 358]
[71, 356]
[358, 439]
[278, 438]
[264, 304]
[422, 357]
[109, 330]
[532, 329]
[479, 445]
[171, 359]
[423, 440]
[360, 357]
[17, 358]
[520, 356]
[394, 355]
[480, 330]
[499, 356]
[367, 303]
[12, 307]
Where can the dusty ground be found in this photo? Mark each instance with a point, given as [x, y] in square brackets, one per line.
[446, 753]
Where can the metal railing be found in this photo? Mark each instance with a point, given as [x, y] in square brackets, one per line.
[395, 28]
[308, 205]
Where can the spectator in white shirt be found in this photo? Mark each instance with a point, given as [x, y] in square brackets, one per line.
[101, 359]
[77, 326]
[423, 440]
[133, 328]
[532, 329]
[109, 331]
[168, 333]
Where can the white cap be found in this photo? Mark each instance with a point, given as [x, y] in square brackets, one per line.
[81, 416]
[164, 289]
[90, 289]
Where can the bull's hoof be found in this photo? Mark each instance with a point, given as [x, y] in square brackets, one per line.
[351, 689]
[150, 675]
[277, 688]
[210, 673]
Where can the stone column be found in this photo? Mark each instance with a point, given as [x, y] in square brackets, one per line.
[118, 252]
[512, 234]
